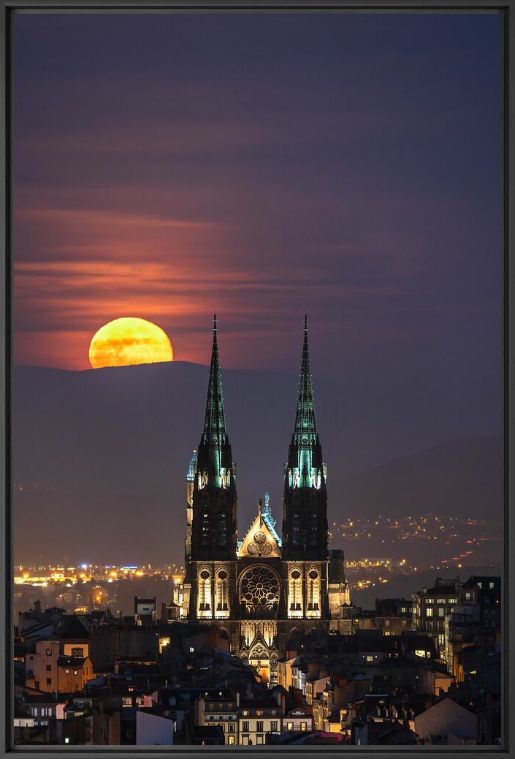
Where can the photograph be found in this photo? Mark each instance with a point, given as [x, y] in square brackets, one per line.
[257, 385]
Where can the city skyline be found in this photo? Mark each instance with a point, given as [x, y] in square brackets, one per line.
[259, 638]
[257, 450]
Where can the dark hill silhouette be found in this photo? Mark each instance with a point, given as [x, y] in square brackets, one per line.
[457, 477]
[102, 455]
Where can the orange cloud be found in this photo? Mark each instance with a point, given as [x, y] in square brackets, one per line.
[99, 265]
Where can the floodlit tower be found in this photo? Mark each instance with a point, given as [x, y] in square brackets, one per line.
[214, 531]
[305, 527]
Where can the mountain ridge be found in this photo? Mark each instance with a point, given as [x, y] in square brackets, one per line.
[111, 447]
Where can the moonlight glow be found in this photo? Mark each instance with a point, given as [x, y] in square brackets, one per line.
[128, 341]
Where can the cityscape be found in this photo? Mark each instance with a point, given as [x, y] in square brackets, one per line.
[257, 450]
[259, 640]
[70, 586]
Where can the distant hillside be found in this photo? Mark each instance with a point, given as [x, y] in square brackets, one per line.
[458, 477]
[101, 455]
[402, 586]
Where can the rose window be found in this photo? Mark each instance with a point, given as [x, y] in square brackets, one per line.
[259, 590]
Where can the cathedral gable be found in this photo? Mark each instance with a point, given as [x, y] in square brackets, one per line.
[261, 540]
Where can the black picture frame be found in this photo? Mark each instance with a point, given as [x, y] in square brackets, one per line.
[504, 7]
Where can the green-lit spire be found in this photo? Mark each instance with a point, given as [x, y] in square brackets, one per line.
[305, 425]
[304, 531]
[304, 461]
[214, 465]
[213, 527]
[214, 422]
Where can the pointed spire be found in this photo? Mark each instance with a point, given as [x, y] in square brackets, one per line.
[214, 422]
[305, 418]
[192, 468]
[215, 465]
[305, 495]
[214, 499]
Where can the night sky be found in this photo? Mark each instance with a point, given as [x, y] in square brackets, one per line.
[259, 166]
[168, 166]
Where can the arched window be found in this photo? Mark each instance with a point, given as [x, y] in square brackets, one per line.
[295, 594]
[313, 593]
[259, 591]
[204, 592]
[222, 594]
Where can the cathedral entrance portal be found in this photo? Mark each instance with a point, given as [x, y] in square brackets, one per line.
[258, 645]
[259, 659]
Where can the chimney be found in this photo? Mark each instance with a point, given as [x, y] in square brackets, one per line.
[237, 698]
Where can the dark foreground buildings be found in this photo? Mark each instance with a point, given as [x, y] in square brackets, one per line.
[260, 643]
[151, 679]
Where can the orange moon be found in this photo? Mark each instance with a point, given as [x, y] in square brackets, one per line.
[128, 341]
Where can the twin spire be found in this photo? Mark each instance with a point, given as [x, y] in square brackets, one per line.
[214, 530]
[214, 422]
[215, 465]
[305, 425]
[305, 468]
[214, 456]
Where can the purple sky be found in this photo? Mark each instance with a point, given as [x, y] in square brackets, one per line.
[167, 166]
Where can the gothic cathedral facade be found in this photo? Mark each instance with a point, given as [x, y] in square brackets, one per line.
[265, 588]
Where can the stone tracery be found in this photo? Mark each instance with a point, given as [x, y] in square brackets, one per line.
[259, 590]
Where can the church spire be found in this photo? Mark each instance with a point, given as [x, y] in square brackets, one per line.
[214, 466]
[305, 418]
[214, 529]
[214, 422]
[306, 469]
[305, 494]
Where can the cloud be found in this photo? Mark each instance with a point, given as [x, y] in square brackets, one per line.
[352, 173]
[75, 269]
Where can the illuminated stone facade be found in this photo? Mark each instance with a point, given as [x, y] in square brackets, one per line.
[265, 588]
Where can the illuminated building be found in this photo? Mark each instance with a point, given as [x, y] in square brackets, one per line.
[58, 666]
[264, 588]
[432, 605]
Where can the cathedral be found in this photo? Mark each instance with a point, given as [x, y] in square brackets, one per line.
[265, 588]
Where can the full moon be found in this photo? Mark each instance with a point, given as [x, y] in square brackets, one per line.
[128, 341]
